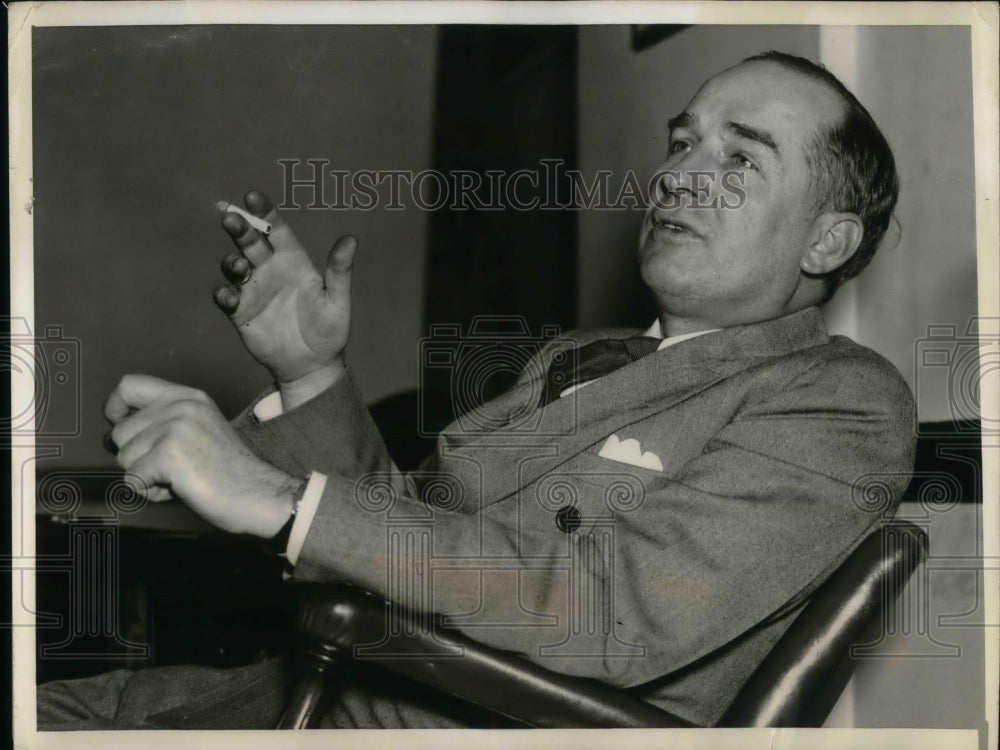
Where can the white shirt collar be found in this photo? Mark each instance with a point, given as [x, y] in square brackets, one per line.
[657, 333]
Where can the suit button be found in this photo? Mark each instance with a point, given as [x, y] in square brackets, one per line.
[568, 519]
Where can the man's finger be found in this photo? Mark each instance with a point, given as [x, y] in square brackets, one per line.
[135, 392]
[227, 298]
[236, 269]
[154, 416]
[338, 267]
[145, 475]
[158, 494]
[151, 492]
[249, 241]
[260, 205]
[141, 441]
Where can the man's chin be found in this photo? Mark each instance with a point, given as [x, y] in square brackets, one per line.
[659, 270]
[669, 256]
[676, 272]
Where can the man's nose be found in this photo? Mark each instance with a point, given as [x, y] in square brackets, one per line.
[690, 178]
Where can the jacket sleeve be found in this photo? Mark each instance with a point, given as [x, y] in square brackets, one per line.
[742, 534]
[332, 433]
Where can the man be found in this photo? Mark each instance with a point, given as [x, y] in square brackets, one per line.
[735, 427]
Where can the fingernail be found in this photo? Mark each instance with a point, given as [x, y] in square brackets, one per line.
[109, 444]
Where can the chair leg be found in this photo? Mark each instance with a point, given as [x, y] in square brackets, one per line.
[317, 673]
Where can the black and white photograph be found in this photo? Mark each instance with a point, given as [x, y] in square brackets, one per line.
[497, 366]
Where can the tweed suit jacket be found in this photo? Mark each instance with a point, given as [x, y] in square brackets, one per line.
[657, 529]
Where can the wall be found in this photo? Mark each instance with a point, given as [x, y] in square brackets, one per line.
[139, 131]
[917, 84]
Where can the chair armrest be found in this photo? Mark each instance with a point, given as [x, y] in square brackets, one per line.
[339, 622]
[802, 677]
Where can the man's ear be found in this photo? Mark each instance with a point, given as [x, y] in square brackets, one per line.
[834, 238]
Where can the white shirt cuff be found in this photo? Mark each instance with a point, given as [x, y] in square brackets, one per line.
[304, 515]
[269, 407]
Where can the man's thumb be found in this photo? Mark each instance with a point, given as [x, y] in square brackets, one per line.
[338, 266]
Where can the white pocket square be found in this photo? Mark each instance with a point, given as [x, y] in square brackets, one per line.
[628, 451]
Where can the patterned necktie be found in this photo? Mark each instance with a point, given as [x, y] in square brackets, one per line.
[592, 361]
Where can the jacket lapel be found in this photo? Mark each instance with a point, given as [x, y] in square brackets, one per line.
[534, 442]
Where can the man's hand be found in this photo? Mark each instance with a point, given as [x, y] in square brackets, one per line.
[174, 438]
[294, 322]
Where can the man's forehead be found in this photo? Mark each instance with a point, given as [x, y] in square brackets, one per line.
[765, 94]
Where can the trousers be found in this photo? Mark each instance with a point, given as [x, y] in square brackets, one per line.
[173, 697]
[247, 697]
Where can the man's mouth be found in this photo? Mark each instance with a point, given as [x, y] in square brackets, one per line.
[671, 225]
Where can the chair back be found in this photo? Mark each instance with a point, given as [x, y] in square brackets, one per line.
[802, 677]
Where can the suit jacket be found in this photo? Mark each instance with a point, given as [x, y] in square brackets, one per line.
[672, 573]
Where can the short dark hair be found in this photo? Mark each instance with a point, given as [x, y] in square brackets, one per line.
[851, 167]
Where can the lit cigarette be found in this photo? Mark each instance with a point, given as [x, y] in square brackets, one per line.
[255, 221]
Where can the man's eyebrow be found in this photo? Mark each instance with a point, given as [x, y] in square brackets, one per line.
[683, 120]
[754, 134]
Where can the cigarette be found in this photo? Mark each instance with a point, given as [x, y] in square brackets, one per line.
[255, 221]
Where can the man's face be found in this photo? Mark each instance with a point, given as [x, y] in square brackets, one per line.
[748, 128]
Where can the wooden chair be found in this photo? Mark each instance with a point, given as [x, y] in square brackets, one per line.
[797, 684]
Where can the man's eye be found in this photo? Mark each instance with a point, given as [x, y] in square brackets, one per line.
[676, 147]
[744, 161]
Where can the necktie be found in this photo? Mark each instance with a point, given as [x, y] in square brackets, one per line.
[592, 361]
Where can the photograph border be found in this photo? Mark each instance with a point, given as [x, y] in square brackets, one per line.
[981, 18]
